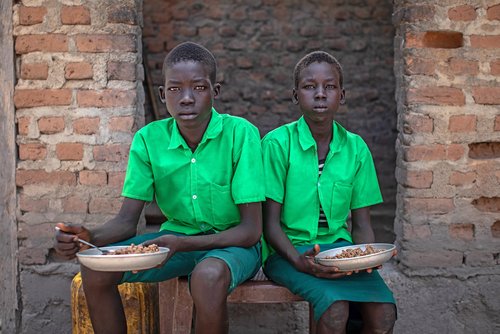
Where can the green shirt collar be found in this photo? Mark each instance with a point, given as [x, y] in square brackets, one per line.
[213, 130]
[307, 141]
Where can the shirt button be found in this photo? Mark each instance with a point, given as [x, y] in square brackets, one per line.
[193, 160]
[195, 197]
[203, 226]
[318, 184]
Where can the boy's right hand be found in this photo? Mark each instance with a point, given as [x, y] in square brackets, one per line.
[66, 244]
[306, 264]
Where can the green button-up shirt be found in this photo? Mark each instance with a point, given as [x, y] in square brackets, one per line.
[197, 191]
[348, 181]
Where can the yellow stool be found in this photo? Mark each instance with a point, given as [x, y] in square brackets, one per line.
[140, 302]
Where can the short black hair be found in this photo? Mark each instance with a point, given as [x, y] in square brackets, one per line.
[189, 51]
[319, 57]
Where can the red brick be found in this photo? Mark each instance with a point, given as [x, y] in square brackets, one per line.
[412, 232]
[496, 127]
[113, 152]
[23, 124]
[42, 42]
[69, 151]
[81, 70]
[485, 41]
[93, 178]
[462, 13]
[413, 13]
[51, 125]
[495, 229]
[462, 179]
[487, 204]
[434, 39]
[28, 177]
[34, 71]
[105, 43]
[493, 12]
[495, 67]
[31, 15]
[462, 123]
[122, 14]
[26, 98]
[418, 124]
[479, 259]
[30, 204]
[462, 231]
[105, 205]
[72, 15]
[420, 66]
[86, 125]
[429, 206]
[418, 179]
[486, 95]
[106, 98]
[434, 152]
[74, 204]
[33, 151]
[461, 66]
[121, 124]
[436, 96]
[121, 71]
[115, 179]
[484, 150]
[437, 258]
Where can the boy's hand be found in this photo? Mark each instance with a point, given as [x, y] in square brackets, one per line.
[306, 264]
[170, 241]
[65, 239]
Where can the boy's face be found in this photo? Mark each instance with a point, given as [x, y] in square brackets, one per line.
[318, 93]
[188, 93]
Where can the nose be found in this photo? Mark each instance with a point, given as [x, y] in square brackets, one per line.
[320, 93]
[187, 97]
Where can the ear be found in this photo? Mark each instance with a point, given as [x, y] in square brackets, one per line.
[217, 87]
[295, 98]
[342, 96]
[161, 93]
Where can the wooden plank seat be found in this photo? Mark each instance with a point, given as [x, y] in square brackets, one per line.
[176, 305]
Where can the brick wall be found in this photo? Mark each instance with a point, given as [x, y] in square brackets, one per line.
[78, 100]
[448, 165]
[257, 44]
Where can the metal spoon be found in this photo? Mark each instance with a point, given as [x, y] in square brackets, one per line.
[103, 251]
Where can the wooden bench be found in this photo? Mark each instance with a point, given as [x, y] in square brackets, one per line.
[176, 305]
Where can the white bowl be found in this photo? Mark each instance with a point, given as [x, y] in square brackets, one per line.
[358, 262]
[93, 259]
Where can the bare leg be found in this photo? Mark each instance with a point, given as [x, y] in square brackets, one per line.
[334, 320]
[103, 301]
[378, 318]
[209, 283]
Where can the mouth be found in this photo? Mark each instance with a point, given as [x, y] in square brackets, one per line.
[187, 115]
[320, 108]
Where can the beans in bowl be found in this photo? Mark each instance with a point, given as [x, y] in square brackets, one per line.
[136, 249]
[354, 252]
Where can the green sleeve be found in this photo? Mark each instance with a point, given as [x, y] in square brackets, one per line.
[139, 182]
[366, 190]
[275, 169]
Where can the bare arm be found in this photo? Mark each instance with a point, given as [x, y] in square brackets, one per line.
[121, 227]
[246, 234]
[362, 231]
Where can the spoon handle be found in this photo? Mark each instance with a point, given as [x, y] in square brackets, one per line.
[103, 251]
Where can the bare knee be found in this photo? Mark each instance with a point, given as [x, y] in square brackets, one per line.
[379, 318]
[210, 275]
[97, 279]
[334, 319]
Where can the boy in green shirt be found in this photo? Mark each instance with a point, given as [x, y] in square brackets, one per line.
[316, 173]
[205, 171]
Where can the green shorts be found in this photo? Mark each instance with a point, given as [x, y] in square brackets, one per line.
[243, 263]
[322, 292]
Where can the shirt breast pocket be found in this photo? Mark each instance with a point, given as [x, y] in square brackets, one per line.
[341, 203]
[224, 211]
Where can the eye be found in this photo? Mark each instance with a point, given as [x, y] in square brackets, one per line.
[330, 87]
[200, 87]
[308, 86]
[173, 89]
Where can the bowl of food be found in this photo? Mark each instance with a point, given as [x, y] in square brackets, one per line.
[123, 258]
[356, 257]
